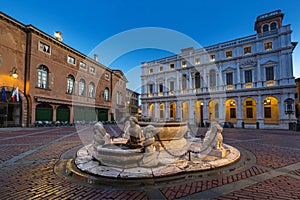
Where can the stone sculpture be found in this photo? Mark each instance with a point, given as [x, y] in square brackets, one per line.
[100, 136]
[136, 136]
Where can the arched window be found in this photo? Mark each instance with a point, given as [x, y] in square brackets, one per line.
[197, 81]
[81, 88]
[43, 76]
[265, 28]
[106, 94]
[161, 111]
[172, 111]
[70, 84]
[92, 90]
[273, 26]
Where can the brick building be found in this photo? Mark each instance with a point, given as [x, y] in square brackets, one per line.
[55, 82]
[132, 100]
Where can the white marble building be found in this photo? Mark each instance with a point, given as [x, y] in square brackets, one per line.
[247, 81]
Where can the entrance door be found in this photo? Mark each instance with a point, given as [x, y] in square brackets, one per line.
[10, 112]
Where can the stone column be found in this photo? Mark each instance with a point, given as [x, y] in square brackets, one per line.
[260, 110]
[205, 111]
[54, 113]
[239, 112]
[239, 71]
[191, 112]
[167, 111]
[178, 111]
[156, 112]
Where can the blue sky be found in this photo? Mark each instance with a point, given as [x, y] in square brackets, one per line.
[86, 24]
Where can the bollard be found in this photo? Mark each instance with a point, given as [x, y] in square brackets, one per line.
[257, 125]
[243, 124]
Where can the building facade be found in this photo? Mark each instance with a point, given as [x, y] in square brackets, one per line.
[132, 102]
[55, 82]
[247, 81]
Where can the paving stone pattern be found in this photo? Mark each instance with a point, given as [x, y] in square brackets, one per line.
[28, 157]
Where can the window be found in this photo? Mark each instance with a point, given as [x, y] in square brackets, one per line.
[247, 49]
[106, 76]
[172, 66]
[268, 45]
[197, 60]
[183, 63]
[273, 26]
[267, 112]
[172, 86]
[44, 47]
[70, 84]
[82, 65]
[161, 89]
[81, 88]
[249, 103]
[248, 76]
[232, 113]
[92, 90]
[161, 68]
[265, 28]
[212, 57]
[269, 73]
[229, 54]
[184, 84]
[249, 113]
[289, 106]
[106, 94]
[229, 78]
[43, 76]
[119, 98]
[71, 60]
[92, 70]
[151, 89]
[150, 70]
[197, 81]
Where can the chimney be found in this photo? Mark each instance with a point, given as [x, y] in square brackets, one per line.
[58, 36]
[96, 57]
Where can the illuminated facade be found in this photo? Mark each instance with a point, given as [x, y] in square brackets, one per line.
[55, 82]
[247, 81]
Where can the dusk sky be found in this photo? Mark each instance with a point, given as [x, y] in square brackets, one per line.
[87, 24]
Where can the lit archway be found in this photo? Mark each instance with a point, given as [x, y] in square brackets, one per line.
[172, 109]
[249, 106]
[185, 111]
[213, 110]
[198, 112]
[151, 109]
[161, 111]
[271, 111]
[230, 111]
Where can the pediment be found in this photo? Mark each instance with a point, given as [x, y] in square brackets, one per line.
[248, 63]
[228, 69]
[269, 62]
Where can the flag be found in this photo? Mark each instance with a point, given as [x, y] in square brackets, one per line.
[15, 94]
[11, 94]
[3, 93]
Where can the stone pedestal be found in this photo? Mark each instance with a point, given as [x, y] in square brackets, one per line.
[218, 153]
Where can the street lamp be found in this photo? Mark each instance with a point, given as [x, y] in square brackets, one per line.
[14, 73]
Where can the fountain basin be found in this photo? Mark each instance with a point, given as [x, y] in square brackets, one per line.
[168, 130]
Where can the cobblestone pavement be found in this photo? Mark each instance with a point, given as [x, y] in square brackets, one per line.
[28, 157]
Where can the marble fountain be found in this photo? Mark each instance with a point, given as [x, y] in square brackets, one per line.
[150, 150]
